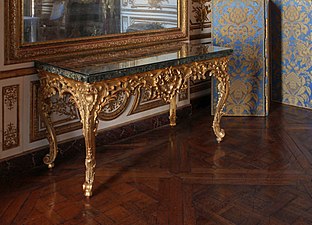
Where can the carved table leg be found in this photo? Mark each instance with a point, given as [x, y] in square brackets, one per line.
[223, 92]
[45, 112]
[173, 111]
[89, 131]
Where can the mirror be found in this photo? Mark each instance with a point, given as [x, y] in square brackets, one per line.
[47, 20]
[43, 28]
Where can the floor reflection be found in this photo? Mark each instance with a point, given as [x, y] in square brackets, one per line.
[260, 173]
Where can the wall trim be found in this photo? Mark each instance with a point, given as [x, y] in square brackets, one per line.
[17, 73]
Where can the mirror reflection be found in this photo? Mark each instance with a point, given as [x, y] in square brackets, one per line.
[48, 20]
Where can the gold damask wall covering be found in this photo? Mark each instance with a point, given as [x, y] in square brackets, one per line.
[291, 32]
[241, 25]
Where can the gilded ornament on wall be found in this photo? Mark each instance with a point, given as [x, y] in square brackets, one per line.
[10, 114]
[10, 137]
[201, 10]
[10, 94]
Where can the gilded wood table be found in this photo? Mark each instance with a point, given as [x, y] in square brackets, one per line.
[92, 81]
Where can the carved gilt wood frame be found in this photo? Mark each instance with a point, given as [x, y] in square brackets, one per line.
[17, 52]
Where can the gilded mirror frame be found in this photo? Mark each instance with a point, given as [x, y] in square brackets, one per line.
[17, 52]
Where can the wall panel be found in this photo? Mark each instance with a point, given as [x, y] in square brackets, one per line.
[11, 103]
[200, 31]
[200, 20]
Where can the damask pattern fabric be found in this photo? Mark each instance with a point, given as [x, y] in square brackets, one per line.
[291, 33]
[240, 24]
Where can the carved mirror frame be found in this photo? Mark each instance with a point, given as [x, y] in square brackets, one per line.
[17, 52]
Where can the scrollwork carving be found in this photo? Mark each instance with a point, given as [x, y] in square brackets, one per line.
[218, 69]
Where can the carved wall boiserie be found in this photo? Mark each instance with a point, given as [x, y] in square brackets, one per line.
[200, 20]
[65, 115]
[115, 108]
[10, 117]
[143, 101]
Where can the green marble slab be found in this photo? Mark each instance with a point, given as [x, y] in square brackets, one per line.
[109, 65]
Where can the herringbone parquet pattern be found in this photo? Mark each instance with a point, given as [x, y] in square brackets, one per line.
[260, 174]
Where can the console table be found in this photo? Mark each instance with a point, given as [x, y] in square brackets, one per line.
[92, 81]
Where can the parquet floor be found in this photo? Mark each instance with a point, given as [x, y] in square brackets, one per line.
[260, 174]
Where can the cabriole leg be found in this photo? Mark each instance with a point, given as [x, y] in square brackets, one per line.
[89, 131]
[223, 92]
[173, 111]
[45, 112]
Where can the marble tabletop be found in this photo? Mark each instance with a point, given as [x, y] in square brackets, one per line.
[114, 64]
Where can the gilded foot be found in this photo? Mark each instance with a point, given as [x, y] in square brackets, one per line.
[48, 161]
[172, 121]
[223, 92]
[221, 136]
[51, 165]
[220, 133]
[173, 111]
[87, 188]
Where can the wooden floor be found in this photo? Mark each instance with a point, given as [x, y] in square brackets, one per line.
[260, 174]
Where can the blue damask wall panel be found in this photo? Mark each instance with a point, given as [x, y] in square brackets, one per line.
[241, 25]
[291, 31]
